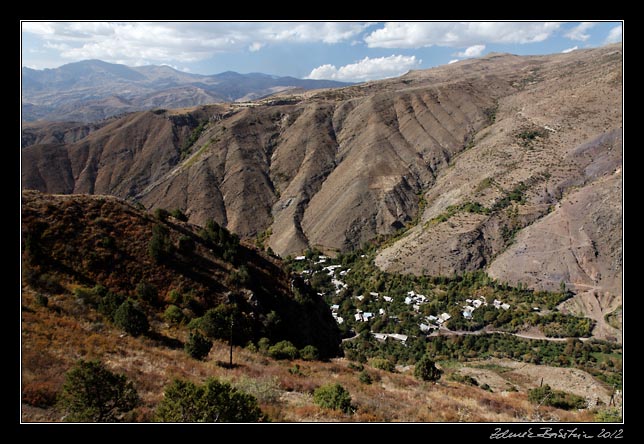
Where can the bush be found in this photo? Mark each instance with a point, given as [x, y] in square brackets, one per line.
[215, 401]
[147, 292]
[333, 396]
[174, 315]
[555, 398]
[42, 300]
[161, 214]
[283, 350]
[310, 353]
[109, 302]
[92, 393]
[426, 370]
[365, 377]
[179, 215]
[383, 364]
[263, 344]
[160, 247]
[131, 319]
[198, 346]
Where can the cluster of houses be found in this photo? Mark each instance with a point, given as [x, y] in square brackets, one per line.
[473, 304]
[334, 313]
[415, 300]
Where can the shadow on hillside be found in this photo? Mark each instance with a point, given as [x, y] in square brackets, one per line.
[165, 341]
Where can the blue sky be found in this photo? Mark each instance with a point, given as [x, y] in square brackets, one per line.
[347, 51]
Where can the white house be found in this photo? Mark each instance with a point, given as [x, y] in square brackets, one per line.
[360, 297]
[444, 317]
[366, 315]
[431, 318]
[374, 294]
[358, 316]
[416, 307]
[381, 311]
[476, 302]
[300, 258]
[335, 307]
[339, 319]
[424, 327]
[387, 298]
[408, 300]
[505, 306]
[398, 337]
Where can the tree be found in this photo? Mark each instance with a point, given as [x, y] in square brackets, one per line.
[426, 369]
[198, 346]
[131, 319]
[310, 353]
[159, 247]
[184, 401]
[283, 350]
[333, 396]
[215, 323]
[92, 393]
[147, 292]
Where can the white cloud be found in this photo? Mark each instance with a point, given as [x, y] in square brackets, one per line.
[579, 31]
[452, 61]
[154, 42]
[566, 51]
[367, 69]
[615, 35]
[255, 46]
[458, 34]
[472, 51]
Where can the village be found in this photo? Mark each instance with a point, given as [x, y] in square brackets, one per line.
[427, 325]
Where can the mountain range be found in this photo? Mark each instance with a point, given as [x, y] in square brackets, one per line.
[91, 90]
[508, 164]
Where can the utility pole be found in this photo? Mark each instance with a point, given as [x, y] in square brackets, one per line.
[232, 322]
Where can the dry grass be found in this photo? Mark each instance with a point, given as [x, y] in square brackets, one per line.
[53, 341]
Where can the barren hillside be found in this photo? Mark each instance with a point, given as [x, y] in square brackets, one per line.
[466, 155]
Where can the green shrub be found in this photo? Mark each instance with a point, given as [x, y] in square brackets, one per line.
[174, 315]
[283, 350]
[263, 344]
[131, 319]
[555, 398]
[161, 214]
[464, 379]
[109, 302]
[179, 215]
[310, 353]
[198, 346]
[147, 292]
[42, 300]
[215, 401]
[92, 393]
[383, 364]
[333, 396]
[426, 370]
[160, 247]
[365, 377]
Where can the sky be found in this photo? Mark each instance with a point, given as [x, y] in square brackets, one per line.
[345, 51]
